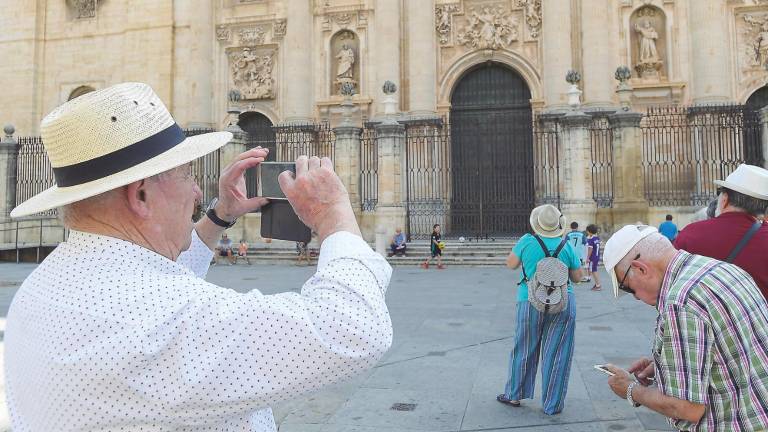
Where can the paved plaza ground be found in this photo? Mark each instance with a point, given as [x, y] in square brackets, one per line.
[453, 332]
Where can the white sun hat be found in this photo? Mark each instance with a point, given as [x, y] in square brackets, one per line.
[110, 138]
[547, 221]
[619, 245]
[749, 180]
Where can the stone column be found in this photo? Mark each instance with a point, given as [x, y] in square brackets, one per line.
[388, 33]
[598, 51]
[201, 65]
[709, 41]
[9, 153]
[347, 162]
[299, 99]
[629, 204]
[390, 211]
[764, 134]
[577, 202]
[422, 60]
[556, 49]
[228, 155]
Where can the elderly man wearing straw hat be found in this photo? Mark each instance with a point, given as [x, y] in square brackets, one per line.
[546, 332]
[118, 330]
[738, 234]
[709, 353]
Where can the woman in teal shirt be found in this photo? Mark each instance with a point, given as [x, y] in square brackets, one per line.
[551, 335]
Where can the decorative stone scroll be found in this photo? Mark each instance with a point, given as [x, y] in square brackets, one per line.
[83, 8]
[754, 40]
[489, 27]
[252, 72]
[443, 22]
[223, 33]
[279, 28]
[532, 16]
[253, 36]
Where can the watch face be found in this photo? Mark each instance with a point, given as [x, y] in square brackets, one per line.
[212, 204]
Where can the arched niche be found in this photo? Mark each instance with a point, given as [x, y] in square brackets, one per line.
[345, 60]
[76, 93]
[648, 30]
[259, 132]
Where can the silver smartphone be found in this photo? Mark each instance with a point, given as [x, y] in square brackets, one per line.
[267, 173]
[602, 369]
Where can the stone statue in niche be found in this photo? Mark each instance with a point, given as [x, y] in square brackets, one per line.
[346, 58]
[648, 57]
[252, 74]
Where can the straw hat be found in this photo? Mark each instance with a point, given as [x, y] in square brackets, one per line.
[547, 221]
[749, 180]
[110, 138]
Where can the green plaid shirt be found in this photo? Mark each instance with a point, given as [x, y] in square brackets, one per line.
[711, 344]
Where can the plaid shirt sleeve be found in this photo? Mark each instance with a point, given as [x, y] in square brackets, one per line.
[684, 359]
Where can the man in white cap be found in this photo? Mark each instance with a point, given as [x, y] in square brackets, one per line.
[710, 355]
[118, 330]
[738, 234]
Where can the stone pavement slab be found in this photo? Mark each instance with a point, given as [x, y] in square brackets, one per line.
[453, 332]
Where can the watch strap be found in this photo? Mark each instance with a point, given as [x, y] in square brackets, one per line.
[629, 394]
[211, 213]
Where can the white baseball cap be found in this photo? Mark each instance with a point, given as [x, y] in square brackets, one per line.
[619, 245]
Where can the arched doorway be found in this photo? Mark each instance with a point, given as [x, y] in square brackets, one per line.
[753, 133]
[259, 132]
[76, 93]
[491, 152]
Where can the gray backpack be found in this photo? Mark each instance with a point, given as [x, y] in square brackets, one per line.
[548, 289]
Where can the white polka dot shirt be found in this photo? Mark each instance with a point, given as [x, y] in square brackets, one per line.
[108, 336]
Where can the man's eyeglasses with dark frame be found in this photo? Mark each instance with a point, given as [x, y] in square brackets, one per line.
[624, 288]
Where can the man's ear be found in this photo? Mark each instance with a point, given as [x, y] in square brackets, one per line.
[640, 266]
[136, 195]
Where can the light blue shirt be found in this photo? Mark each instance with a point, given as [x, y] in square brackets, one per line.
[399, 239]
[578, 240]
[530, 253]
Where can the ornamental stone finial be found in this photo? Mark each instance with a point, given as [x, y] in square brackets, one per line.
[573, 77]
[389, 88]
[235, 96]
[9, 130]
[347, 89]
[623, 74]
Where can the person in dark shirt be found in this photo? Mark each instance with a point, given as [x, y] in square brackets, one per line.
[435, 249]
[741, 204]
[593, 255]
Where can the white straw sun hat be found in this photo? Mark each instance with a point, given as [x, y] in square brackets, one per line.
[748, 180]
[110, 138]
[547, 221]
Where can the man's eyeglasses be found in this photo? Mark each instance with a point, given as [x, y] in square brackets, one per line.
[623, 287]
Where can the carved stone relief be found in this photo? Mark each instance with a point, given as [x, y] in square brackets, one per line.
[345, 20]
[83, 8]
[443, 22]
[753, 42]
[647, 28]
[279, 28]
[223, 33]
[532, 16]
[488, 27]
[251, 71]
[345, 49]
[253, 35]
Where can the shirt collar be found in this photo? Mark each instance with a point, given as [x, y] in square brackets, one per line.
[674, 268]
[106, 246]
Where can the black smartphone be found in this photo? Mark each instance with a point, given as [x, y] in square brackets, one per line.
[279, 221]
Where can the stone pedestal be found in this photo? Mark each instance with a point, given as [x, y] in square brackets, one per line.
[9, 153]
[764, 135]
[577, 202]
[390, 210]
[629, 204]
[347, 162]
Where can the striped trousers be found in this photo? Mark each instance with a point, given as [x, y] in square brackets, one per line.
[551, 335]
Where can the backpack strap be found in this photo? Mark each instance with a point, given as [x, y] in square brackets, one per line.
[559, 248]
[544, 247]
[743, 242]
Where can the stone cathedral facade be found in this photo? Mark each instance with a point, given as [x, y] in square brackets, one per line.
[475, 64]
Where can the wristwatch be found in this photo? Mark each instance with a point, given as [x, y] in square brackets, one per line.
[629, 394]
[211, 213]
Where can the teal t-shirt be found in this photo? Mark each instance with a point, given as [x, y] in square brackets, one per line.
[530, 253]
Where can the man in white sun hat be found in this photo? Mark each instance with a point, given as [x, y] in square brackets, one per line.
[738, 234]
[709, 350]
[118, 330]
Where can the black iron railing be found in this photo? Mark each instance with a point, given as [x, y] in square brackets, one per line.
[33, 170]
[686, 148]
[546, 157]
[293, 141]
[601, 149]
[369, 168]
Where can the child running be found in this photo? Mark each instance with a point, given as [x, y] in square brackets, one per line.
[434, 248]
[593, 254]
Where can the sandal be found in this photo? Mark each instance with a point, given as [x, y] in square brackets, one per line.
[596, 288]
[505, 400]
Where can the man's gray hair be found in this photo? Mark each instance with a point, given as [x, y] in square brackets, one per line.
[651, 246]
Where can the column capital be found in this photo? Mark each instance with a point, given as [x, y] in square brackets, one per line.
[347, 132]
[576, 119]
[387, 130]
[625, 119]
